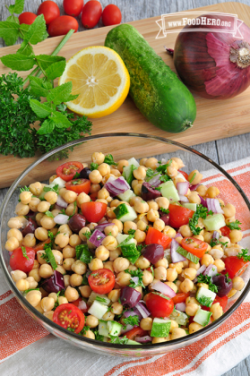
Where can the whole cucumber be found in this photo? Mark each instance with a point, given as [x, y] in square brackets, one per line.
[156, 91]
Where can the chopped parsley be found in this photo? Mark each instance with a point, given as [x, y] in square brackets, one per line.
[83, 253]
[49, 214]
[131, 320]
[201, 212]
[53, 189]
[119, 341]
[50, 256]
[218, 242]
[76, 176]
[135, 273]
[165, 211]
[87, 234]
[234, 225]
[161, 295]
[100, 299]
[228, 280]
[98, 336]
[205, 301]
[85, 280]
[24, 189]
[93, 166]
[84, 331]
[25, 253]
[150, 173]
[26, 291]
[192, 179]
[131, 232]
[110, 160]
[244, 255]
[70, 329]
[208, 280]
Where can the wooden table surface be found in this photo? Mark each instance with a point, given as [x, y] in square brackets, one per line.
[221, 151]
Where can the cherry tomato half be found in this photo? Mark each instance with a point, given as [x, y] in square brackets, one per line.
[235, 267]
[73, 7]
[194, 246]
[111, 15]
[91, 14]
[179, 216]
[78, 185]
[180, 297]
[131, 334]
[93, 211]
[50, 10]
[222, 301]
[69, 316]
[22, 258]
[154, 236]
[62, 25]
[184, 174]
[27, 18]
[102, 281]
[68, 170]
[225, 231]
[159, 306]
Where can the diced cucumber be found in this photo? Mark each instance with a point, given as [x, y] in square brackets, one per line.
[97, 309]
[205, 297]
[133, 161]
[190, 206]
[180, 317]
[128, 170]
[93, 296]
[103, 328]
[202, 317]
[122, 237]
[188, 255]
[131, 342]
[126, 196]
[125, 213]
[214, 222]
[58, 181]
[160, 328]
[114, 328]
[169, 191]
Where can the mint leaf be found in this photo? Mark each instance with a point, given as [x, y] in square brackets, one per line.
[26, 50]
[40, 109]
[17, 7]
[18, 62]
[60, 93]
[55, 70]
[46, 127]
[60, 120]
[9, 32]
[37, 87]
[37, 31]
[12, 18]
[44, 61]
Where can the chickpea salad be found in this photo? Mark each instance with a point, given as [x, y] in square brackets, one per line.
[126, 252]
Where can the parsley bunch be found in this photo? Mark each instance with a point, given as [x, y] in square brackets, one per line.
[234, 225]
[244, 255]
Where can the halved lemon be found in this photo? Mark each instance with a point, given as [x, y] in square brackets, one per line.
[101, 79]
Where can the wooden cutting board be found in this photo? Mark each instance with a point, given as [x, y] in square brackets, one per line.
[215, 119]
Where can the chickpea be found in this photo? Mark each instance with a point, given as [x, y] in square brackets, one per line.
[171, 274]
[235, 236]
[14, 232]
[151, 163]
[140, 236]
[111, 230]
[62, 300]
[61, 269]
[118, 224]
[17, 222]
[189, 273]
[169, 231]
[146, 324]
[71, 294]
[66, 280]
[115, 203]
[147, 278]
[172, 285]
[195, 177]
[102, 253]
[29, 240]
[159, 224]
[123, 279]
[229, 210]
[185, 231]
[187, 285]
[117, 308]
[41, 234]
[92, 321]
[140, 173]
[43, 206]
[163, 262]
[17, 275]
[25, 197]
[104, 169]
[74, 240]
[238, 283]
[89, 334]
[193, 265]
[40, 257]
[85, 291]
[142, 263]
[95, 264]
[178, 333]
[68, 252]
[45, 271]
[62, 240]
[47, 223]
[39, 216]
[207, 236]
[191, 309]
[11, 244]
[53, 295]
[114, 254]
[49, 315]
[216, 253]
[51, 197]
[219, 264]
[161, 273]
[34, 297]
[122, 163]
[152, 215]
[120, 264]
[110, 213]
[216, 310]
[134, 199]
[22, 209]
[137, 189]
[162, 202]
[207, 260]
[233, 250]
[95, 177]
[98, 157]
[36, 188]
[114, 295]
[194, 327]
[110, 243]
[201, 190]
[178, 266]
[129, 225]
[141, 207]
[212, 192]
[160, 339]
[75, 280]
[194, 197]
[47, 304]
[82, 198]
[70, 196]
[22, 284]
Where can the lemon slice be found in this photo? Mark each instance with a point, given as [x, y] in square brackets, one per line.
[101, 79]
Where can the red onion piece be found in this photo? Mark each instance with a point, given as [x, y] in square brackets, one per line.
[193, 187]
[116, 186]
[183, 199]
[135, 279]
[142, 310]
[102, 226]
[216, 235]
[203, 201]
[97, 238]
[129, 297]
[182, 188]
[143, 339]
[211, 270]
[201, 270]
[153, 253]
[175, 256]
[129, 313]
[60, 202]
[164, 289]
[180, 307]
[178, 235]
[82, 305]
[61, 219]
[214, 205]
[155, 181]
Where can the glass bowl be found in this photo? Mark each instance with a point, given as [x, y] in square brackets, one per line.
[121, 146]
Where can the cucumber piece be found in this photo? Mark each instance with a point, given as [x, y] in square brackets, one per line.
[214, 222]
[122, 237]
[202, 317]
[155, 89]
[169, 191]
[190, 206]
[103, 328]
[97, 309]
[94, 295]
[131, 342]
[128, 173]
[180, 317]
[188, 255]
[114, 328]
[205, 297]
[126, 196]
[125, 213]
[160, 328]
[58, 181]
[133, 162]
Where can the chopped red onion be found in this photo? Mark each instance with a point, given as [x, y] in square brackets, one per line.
[82, 305]
[116, 186]
[183, 199]
[164, 289]
[155, 181]
[165, 218]
[216, 235]
[182, 188]
[214, 205]
[61, 219]
[97, 238]
[175, 256]
[142, 310]
[102, 226]
[60, 202]
[180, 307]
[203, 201]
[178, 235]
[143, 339]
[201, 270]
[193, 187]
[135, 279]
[129, 313]
[211, 270]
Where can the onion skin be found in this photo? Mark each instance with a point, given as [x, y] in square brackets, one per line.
[202, 60]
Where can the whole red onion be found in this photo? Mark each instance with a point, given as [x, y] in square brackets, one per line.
[213, 64]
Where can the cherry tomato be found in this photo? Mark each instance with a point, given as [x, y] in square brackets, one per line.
[77, 303]
[27, 18]
[111, 15]
[93, 196]
[78, 185]
[158, 305]
[225, 231]
[62, 25]
[22, 258]
[91, 14]
[73, 7]
[50, 10]
[235, 267]
[68, 170]
[179, 216]
[131, 334]
[69, 316]
[184, 174]
[94, 211]
[180, 297]
[40, 246]
[222, 300]
[194, 246]
[102, 281]
[156, 237]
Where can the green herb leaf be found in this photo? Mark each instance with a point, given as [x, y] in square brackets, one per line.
[201, 212]
[37, 31]
[24, 253]
[83, 253]
[24, 189]
[234, 225]
[85, 280]
[244, 255]
[9, 32]
[61, 93]
[205, 301]
[161, 295]
[45, 61]
[98, 337]
[40, 109]
[165, 211]
[26, 49]
[55, 70]
[136, 273]
[18, 62]
[84, 331]
[26, 291]
[38, 86]
[101, 300]
[53, 189]
[60, 120]
[110, 160]
[208, 280]
[49, 254]
[192, 179]
[118, 340]
[93, 166]
[49, 214]
[47, 127]
[17, 7]
[131, 320]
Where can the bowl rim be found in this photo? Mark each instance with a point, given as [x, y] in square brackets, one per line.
[183, 340]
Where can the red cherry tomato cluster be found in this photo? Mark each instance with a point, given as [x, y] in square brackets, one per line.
[60, 25]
